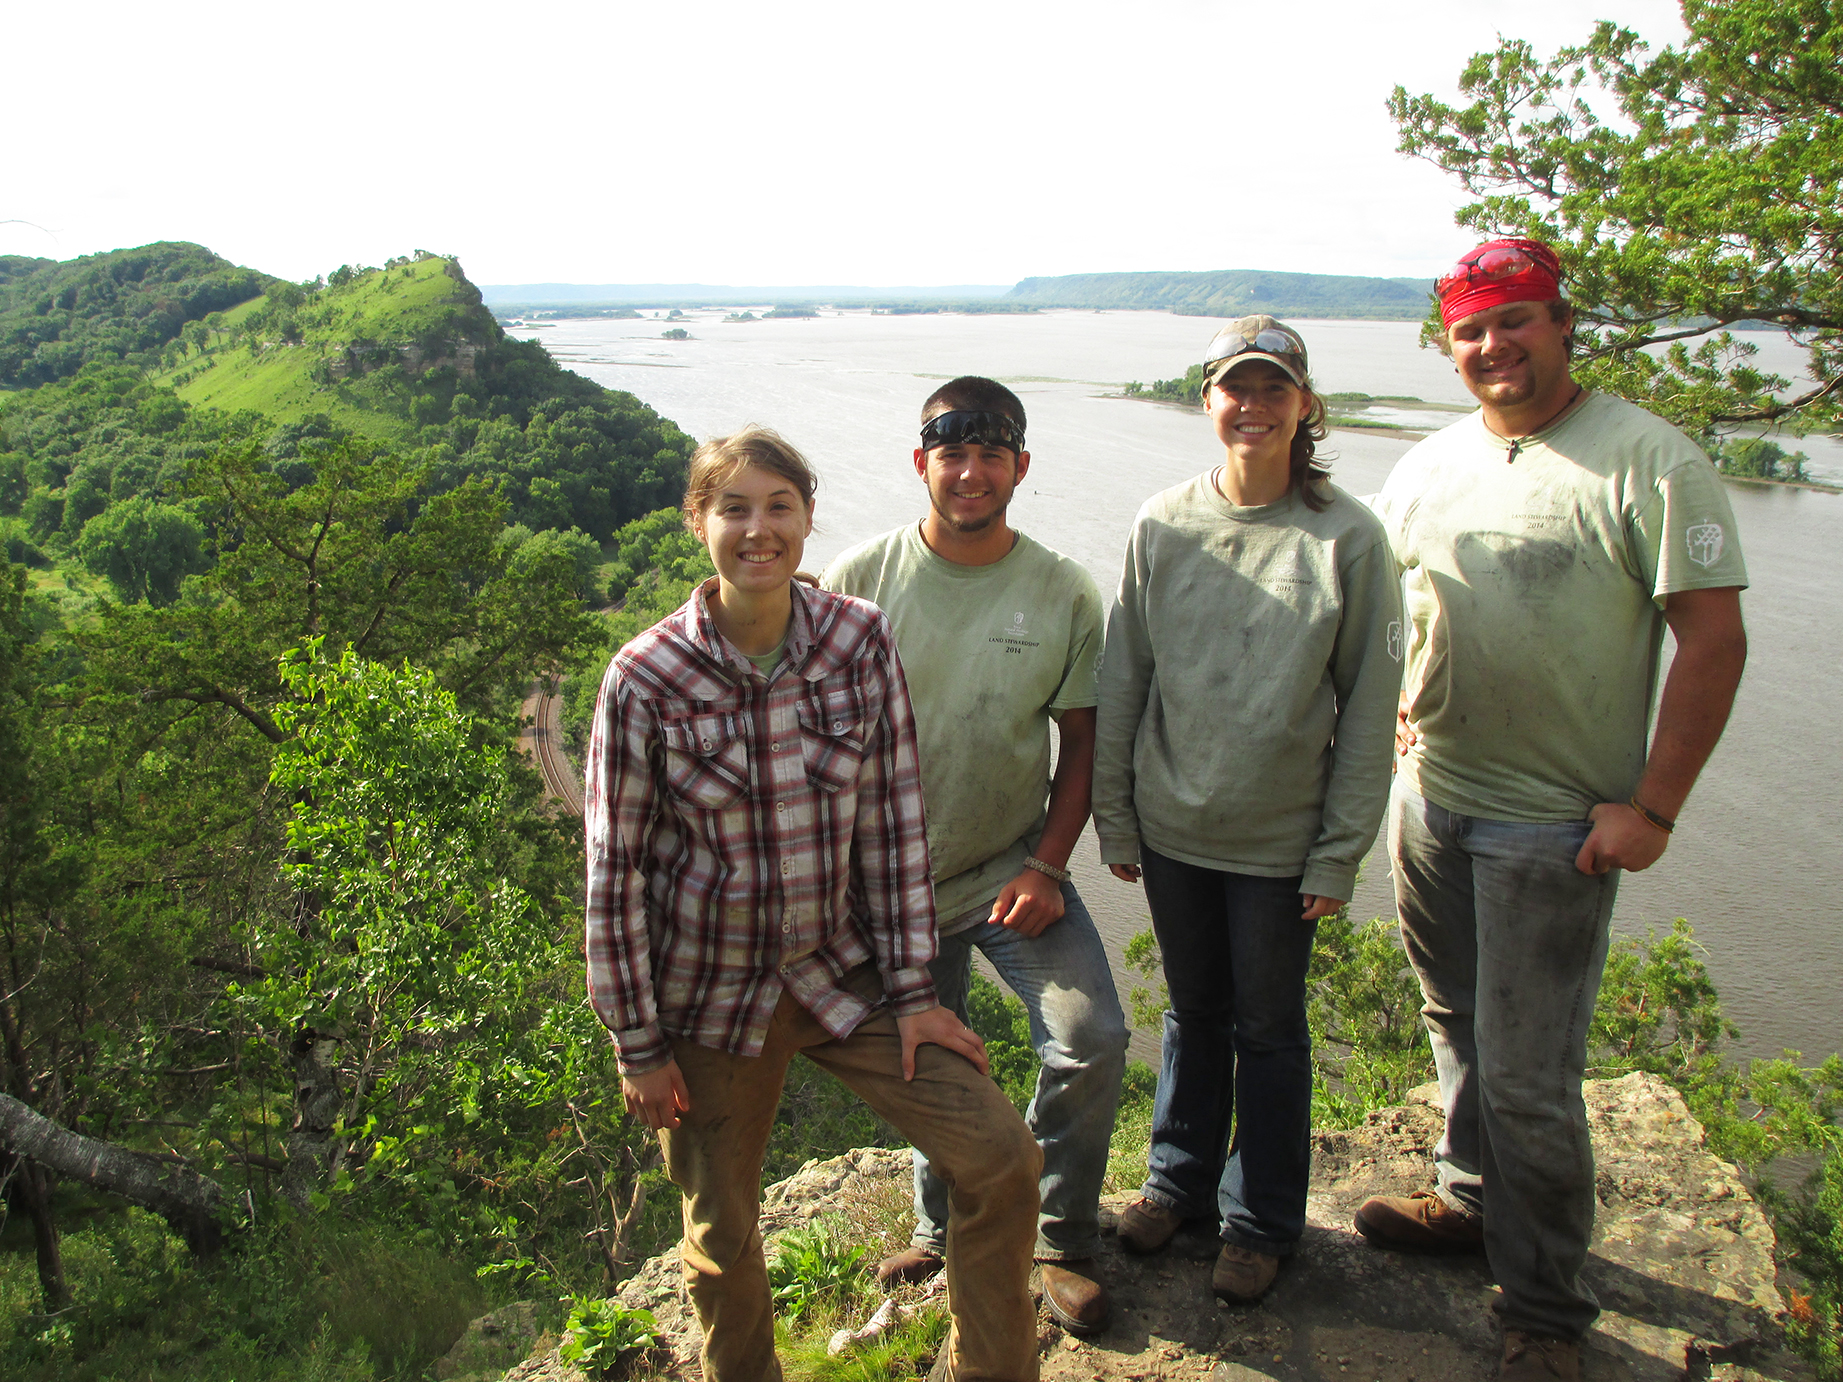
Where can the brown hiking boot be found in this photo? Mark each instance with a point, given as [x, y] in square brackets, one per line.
[1538, 1358]
[1146, 1226]
[1421, 1222]
[910, 1267]
[1242, 1274]
[1076, 1299]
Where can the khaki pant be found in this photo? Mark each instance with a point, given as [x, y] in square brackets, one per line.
[969, 1131]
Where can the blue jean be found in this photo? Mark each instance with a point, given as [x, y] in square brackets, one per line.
[1237, 1052]
[1509, 941]
[1079, 1034]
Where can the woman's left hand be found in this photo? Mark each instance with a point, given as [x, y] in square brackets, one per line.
[1316, 906]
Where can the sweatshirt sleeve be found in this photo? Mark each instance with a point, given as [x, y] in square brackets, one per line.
[1366, 672]
[1125, 685]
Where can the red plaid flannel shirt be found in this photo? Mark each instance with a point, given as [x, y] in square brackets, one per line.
[748, 834]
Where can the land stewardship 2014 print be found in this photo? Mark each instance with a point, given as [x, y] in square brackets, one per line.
[297, 1074]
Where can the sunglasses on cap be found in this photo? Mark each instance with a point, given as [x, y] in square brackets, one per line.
[965, 428]
[1498, 264]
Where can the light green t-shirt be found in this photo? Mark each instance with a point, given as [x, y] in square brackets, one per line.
[1249, 689]
[765, 663]
[991, 653]
[1535, 595]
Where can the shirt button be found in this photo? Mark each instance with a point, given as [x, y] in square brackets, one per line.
[838, 726]
[787, 926]
[787, 866]
[780, 806]
[774, 748]
[783, 969]
[707, 743]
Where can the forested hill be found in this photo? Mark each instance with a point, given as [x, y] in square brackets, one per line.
[56, 317]
[1235, 293]
[150, 361]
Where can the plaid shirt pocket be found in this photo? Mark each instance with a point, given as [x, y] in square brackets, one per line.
[706, 761]
[832, 739]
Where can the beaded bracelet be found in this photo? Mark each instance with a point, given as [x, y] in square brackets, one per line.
[1060, 875]
[1650, 817]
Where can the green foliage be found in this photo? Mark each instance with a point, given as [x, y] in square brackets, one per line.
[1369, 1046]
[124, 305]
[145, 549]
[598, 1332]
[1699, 188]
[1002, 1023]
[675, 333]
[331, 1301]
[1231, 293]
[1756, 458]
[1189, 389]
[573, 550]
[814, 1264]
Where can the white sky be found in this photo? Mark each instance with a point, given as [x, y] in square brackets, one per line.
[959, 141]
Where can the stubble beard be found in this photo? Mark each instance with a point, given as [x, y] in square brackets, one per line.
[967, 525]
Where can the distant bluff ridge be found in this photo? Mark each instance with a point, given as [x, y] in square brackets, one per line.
[1235, 293]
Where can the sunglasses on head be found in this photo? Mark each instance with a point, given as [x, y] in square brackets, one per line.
[967, 428]
[1494, 266]
[1268, 342]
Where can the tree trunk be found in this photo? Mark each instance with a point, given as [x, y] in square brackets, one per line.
[193, 1205]
[29, 1191]
[316, 1110]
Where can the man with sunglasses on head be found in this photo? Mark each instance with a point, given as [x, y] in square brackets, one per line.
[1547, 541]
[998, 636]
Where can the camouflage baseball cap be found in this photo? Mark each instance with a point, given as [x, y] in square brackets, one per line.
[1255, 338]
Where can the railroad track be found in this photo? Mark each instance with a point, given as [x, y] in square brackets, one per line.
[542, 738]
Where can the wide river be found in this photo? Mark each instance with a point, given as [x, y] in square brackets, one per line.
[1756, 867]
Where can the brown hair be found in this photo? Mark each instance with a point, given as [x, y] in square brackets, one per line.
[721, 459]
[976, 394]
[1306, 471]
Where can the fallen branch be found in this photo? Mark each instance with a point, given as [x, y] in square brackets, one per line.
[193, 1205]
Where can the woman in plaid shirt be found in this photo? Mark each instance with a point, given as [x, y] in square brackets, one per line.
[758, 888]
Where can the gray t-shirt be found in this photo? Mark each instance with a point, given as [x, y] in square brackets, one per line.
[1535, 596]
[991, 654]
[1249, 689]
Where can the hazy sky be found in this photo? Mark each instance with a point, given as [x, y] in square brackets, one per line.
[960, 141]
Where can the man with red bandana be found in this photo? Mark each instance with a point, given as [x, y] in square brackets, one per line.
[1546, 541]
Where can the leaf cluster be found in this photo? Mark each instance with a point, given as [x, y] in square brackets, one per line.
[1689, 191]
[56, 317]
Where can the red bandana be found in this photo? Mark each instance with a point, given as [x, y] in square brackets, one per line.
[1498, 272]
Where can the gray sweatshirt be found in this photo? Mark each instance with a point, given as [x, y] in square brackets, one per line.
[1249, 687]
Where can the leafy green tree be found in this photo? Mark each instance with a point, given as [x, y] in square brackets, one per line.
[145, 549]
[1698, 188]
[572, 547]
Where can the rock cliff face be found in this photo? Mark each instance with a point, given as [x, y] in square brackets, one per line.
[1682, 1264]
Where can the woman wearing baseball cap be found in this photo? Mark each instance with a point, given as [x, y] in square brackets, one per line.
[1245, 736]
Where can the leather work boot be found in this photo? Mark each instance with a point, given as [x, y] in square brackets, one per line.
[1538, 1358]
[1421, 1222]
[910, 1267]
[1242, 1274]
[1075, 1296]
[1146, 1226]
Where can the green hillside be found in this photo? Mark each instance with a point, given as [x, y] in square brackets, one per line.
[1235, 293]
[56, 317]
[291, 356]
[98, 466]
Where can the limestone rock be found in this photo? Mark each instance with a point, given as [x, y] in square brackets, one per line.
[1682, 1263]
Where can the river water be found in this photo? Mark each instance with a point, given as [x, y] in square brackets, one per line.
[1755, 866]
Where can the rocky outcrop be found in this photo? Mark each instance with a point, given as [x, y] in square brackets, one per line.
[1682, 1264]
